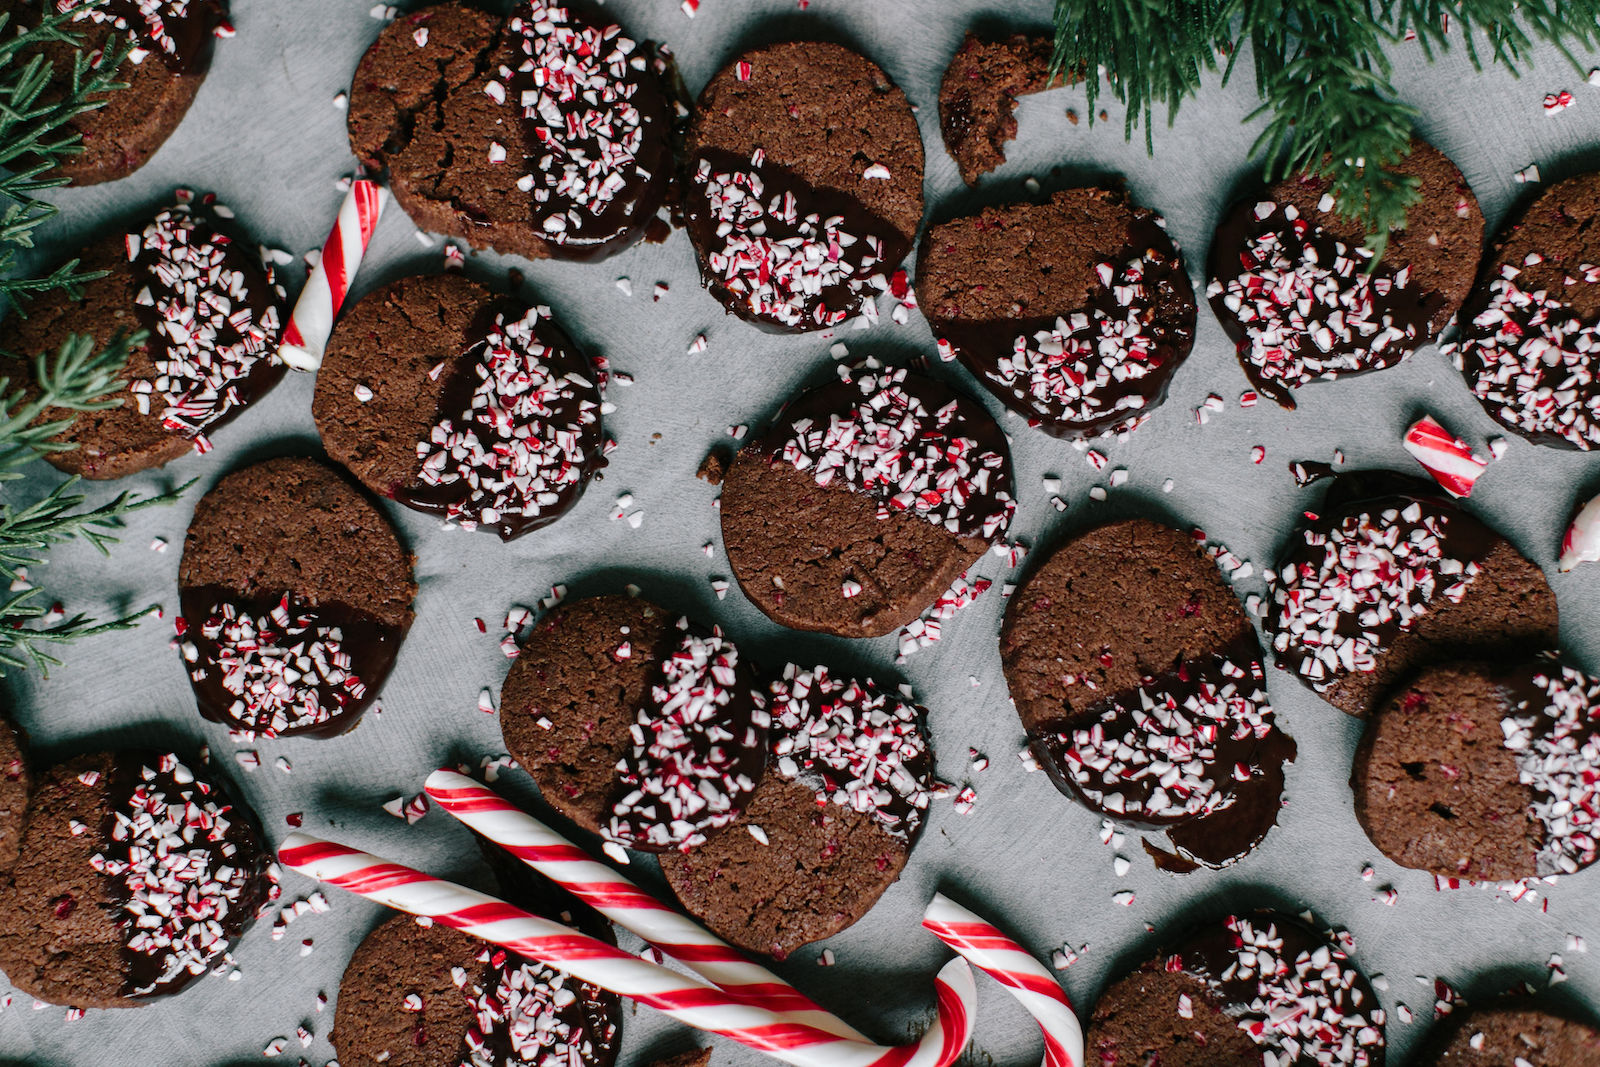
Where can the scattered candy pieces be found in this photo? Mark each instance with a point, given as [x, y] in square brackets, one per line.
[1445, 456]
[1582, 542]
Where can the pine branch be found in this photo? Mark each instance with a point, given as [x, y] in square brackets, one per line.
[77, 378]
[22, 646]
[1511, 26]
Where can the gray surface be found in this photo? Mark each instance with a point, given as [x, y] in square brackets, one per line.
[264, 133]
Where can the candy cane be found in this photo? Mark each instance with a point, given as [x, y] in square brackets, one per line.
[683, 997]
[311, 323]
[1444, 455]
[624, 903]
[1009, 964]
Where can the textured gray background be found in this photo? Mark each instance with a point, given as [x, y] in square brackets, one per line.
[266, 136]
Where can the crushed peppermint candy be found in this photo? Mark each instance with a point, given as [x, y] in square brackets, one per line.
[859, 746]
[521, 437]
[927, 628]
[698, 747]
[526, 1013]
[159, 25]
[889, 444]
[1557, 749]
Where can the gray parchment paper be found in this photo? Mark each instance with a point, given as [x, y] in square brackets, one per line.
[265, 134]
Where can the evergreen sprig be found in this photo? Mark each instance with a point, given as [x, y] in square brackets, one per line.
[1321, 72]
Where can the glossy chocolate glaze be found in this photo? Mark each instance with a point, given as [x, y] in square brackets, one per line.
[181, 34]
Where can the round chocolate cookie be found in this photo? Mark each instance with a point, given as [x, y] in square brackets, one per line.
[296, 594]
[1262, 989]
[16, 785]
[636, 725]
[430, 996]
[829, 828]
[978, 96]
[1294, 286]
[803, 188]
[171, 42]
[213, 315]
[1488, 771]
[547, 134]
[1075, 312]
[1390, 574]
[864, 500]
[451, 400]
[138, 873]
[1517, 1032]
[1530, 332]
[1139, 681]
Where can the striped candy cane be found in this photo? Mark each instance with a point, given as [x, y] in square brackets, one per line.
[311, 323]
[683, 997]
[624, 903]
[1444, 455]
[1025, 977]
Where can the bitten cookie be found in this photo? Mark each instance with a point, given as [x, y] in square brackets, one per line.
[1294, 286]
[803, 187]
[113, 842]
[1262, 989]
[213, 314]
[864, 500]
[1139, 682]
[547, 135]
[460, 403]
[1074, 313]
[1391, 574]
[831, 826]
[430, 996]
[635, 724]
[1517, 1032]
[978, 96]
[172, 44]
[296, 594]
[1485, 771]
[1531, 330]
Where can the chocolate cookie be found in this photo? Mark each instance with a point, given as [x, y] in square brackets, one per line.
[451, 400]
[1139, 681]
[697, 1058]
[171, 42]
[430, 996]
[296, 594]
[547, 134]
[1531, 330]
[1074, 312]
[804, 185]
[1518, 1032]
[1261, 989]
[1295, 288]
[978, 96]
[138, 874]
[1390, 574]
[829, 829]
[864, 500]
[635, 724]
[213, 315]
[16, 784]
[1487, 771]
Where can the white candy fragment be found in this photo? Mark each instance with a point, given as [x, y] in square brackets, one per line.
[1582, 543]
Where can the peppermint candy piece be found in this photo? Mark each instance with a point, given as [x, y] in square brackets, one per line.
[1448, 458]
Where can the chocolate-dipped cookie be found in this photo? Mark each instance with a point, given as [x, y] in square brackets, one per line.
[636, 724]
[16, 784]
[1295, 288]
[213, 315]
[803, 185]
[1390, 574]
[1262, 989]
[430, 996]
[1531, 330]
[1488, 771]
[546, 134]
[138, 873]
[978, 96]
[864, 500]
[171, 42]
[459, 403]
[1139, 681]
[829, 828]
[1074, 312]
[1519, 1032]
[296, 594]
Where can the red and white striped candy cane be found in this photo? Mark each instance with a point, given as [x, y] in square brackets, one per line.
[683, 997]
[1444, 455]
[992, 952]
[311, 323]
[624, 903]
